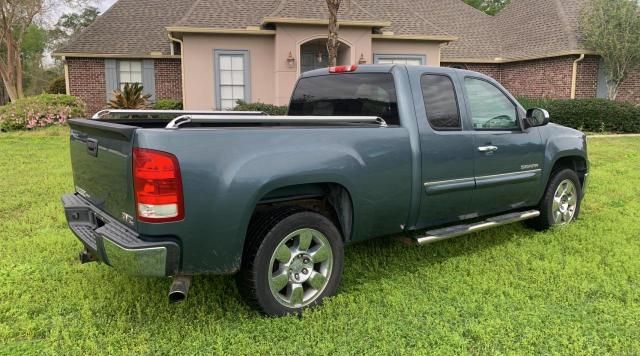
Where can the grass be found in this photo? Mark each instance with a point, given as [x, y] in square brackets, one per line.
[510, 290]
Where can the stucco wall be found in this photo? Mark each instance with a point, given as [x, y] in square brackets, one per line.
[429, 49]
[289, 38]
[199, 67]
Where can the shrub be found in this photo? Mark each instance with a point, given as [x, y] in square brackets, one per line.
[593, 115]
[265, 108]
[57, 86]
[40, 111]
[168, 104]
[130, 97]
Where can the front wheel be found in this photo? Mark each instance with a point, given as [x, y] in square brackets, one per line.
[293, 260]
[561, 201]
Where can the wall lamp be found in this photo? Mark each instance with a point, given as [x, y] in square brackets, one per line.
[291, 62]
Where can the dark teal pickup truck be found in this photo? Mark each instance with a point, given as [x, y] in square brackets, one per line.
[365, 151]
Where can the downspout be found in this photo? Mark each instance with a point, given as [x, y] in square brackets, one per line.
[184, 89]
[574, 76]
[67, 87]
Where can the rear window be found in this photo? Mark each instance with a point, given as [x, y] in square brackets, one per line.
[371, 94]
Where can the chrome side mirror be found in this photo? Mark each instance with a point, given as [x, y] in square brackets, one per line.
[537, 117]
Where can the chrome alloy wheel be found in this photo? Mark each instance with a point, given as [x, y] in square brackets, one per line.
[565, 202]
[300, 268]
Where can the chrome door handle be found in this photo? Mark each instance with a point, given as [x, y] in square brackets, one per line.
[487, 148]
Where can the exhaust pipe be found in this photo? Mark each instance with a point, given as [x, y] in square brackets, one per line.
[179, 288]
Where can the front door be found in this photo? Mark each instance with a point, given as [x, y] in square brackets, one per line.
[446, 150]
[508, 158]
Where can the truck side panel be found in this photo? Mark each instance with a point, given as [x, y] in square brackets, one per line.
[225, 173]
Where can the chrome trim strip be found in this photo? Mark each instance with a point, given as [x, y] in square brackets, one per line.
[458, 180]
[149, 261]
[464, 180]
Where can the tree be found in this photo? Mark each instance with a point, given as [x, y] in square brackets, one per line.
[332, 41]
[612, 29]
[16, 16]
[71, 24]
[491, 7]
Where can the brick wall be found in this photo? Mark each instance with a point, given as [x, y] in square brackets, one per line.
[168, 79]
[87, 82]
[630, 89]
[543, 78]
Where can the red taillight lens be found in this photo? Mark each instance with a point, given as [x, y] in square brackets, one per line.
[343, 69]
[157, 185]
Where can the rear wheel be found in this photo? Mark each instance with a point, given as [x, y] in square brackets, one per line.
[560, 204]
[293, 260]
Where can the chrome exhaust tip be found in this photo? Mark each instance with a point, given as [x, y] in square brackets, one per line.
[179, 289]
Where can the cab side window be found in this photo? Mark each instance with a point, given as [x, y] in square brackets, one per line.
[440, 102]
[490, 108]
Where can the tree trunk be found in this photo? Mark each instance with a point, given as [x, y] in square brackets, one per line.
[332, 41]
[612, 89]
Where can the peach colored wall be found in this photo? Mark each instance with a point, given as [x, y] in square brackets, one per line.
[429, 49]
[289, 38]
[272, 80]
[199, 67]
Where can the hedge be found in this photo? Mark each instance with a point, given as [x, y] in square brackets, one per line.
[168, 104]
[40, 111]
[591, 115]
[265, 108]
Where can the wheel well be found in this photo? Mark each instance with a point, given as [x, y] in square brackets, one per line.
[329, 199]
[575, 163]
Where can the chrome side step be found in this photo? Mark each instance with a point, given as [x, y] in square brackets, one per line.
[458, 230]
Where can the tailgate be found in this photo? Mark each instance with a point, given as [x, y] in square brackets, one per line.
[101, 160]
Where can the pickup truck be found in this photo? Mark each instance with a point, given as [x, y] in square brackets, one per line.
[365, 151]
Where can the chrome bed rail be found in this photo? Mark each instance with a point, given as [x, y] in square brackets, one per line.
[261, 119]
[102, 113]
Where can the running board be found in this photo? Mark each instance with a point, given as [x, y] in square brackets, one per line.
[458, 230]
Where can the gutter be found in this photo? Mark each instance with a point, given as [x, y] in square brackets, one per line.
[574, 75]
[184, 89]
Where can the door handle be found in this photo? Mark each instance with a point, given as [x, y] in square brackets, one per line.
[487, 148]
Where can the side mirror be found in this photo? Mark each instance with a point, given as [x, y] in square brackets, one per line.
[537, 117]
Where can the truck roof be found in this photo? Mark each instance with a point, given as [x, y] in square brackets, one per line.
[387, 68]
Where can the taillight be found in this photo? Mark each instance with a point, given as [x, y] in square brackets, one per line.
[343, 69]
[157, 185]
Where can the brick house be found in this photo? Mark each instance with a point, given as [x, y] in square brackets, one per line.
[209, 53]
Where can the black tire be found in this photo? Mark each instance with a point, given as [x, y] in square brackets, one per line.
[266, 234]
[546, 218]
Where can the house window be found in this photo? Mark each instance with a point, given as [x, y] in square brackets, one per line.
[232, 78]
[408, 59]
[129, 72]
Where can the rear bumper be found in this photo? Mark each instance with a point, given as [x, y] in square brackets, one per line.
[115, 244]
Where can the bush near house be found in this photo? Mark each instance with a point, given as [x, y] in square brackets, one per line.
[168, 104]
[265, 108]
[591, 115]
[40, 111]
[57, 86]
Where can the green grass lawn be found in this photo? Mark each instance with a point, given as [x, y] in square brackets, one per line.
[510, 290]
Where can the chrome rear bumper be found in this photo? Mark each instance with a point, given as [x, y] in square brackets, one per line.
[113, 243]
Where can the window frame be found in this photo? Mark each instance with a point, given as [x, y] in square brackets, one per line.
[216, 74]
[455, 95]
[519, 127]
[119, 71]
[421, 57]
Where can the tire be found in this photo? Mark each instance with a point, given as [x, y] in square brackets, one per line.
[293, 259]
[566, 206]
